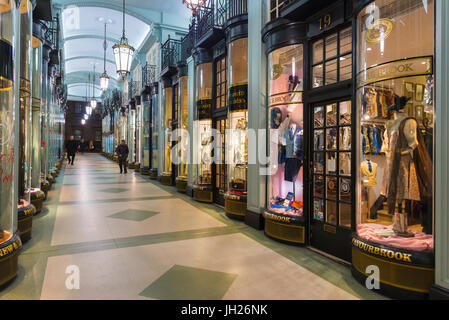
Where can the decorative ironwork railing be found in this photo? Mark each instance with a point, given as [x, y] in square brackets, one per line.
[133, 89]
[171, 53]
[215, 14]
[188, 41]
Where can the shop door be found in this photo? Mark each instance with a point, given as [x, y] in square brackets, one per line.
[331, 179]
[220, 169]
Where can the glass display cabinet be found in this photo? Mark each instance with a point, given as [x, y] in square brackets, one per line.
[10, 242]
[284, 216]
[25, 209]
[37, 195]
[183, 134]
[396, 140]
[237, 140]
[166, 177]
[202, 190]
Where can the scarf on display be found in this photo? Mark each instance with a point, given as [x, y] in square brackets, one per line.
[423, 167]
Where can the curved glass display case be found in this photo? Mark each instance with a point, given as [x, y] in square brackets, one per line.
[237, 141]
[395, 176]
[37, 196]
[183, 135]
[166, 177]
[25, 209]
[9, 238]
[202, 190]
[284, 217]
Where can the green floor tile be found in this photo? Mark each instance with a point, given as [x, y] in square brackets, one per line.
[114, 190]
[133, 215]
[181, 282]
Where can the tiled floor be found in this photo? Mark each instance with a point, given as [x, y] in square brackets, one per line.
[131, 238]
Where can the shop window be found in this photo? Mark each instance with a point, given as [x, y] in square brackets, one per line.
[203, 122]
[396, 112]
[183, 123]
[238, 117]
[154, 132]
[332, 163]
[220, 83]
[332, 59]
[168, 100]
[275, 8]
[286, 142]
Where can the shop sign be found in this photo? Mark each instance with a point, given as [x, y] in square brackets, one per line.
[204, 107]
[279, 99]
[382, 252]
[293, 220]
[333, 17]
[397, 69]
[238, 97]
[9, 249]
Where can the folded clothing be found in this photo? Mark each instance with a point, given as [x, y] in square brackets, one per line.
[275, 207]
[371, 232]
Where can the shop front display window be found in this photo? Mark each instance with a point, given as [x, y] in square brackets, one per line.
[332, 58]
[286, 139]
[146, 134]
[203, 122]
[238, 117]
[395, 105]
[154, 132]
[183, 123]
[168, 108]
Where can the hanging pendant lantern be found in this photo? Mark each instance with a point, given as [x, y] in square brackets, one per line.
[193, 5]
[123, 52]
[104, 79]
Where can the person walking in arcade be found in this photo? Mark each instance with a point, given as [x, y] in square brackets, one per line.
[122, 153]
[72, 147]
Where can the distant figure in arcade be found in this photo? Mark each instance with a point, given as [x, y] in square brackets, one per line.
[72, 147]
[122, 154]
[82, 146]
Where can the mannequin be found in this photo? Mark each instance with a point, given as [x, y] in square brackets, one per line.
[401, 181]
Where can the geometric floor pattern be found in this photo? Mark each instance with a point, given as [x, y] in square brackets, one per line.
[114, 190]
[133, 215]
[181, 282]
[132, 238]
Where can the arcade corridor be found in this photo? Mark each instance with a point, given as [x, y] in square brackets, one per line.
[135, 239]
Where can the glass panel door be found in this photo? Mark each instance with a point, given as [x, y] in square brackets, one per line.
[220, 171]
[331, 168]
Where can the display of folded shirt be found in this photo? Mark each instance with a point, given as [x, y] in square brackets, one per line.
[384, 235]
[294, 209]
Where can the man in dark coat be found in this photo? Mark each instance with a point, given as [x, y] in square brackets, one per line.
[122, 154]
[72, 147]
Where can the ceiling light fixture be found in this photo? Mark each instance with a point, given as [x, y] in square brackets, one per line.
[193, 5]
[93, 101]
[104, 79]
[123, 52]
